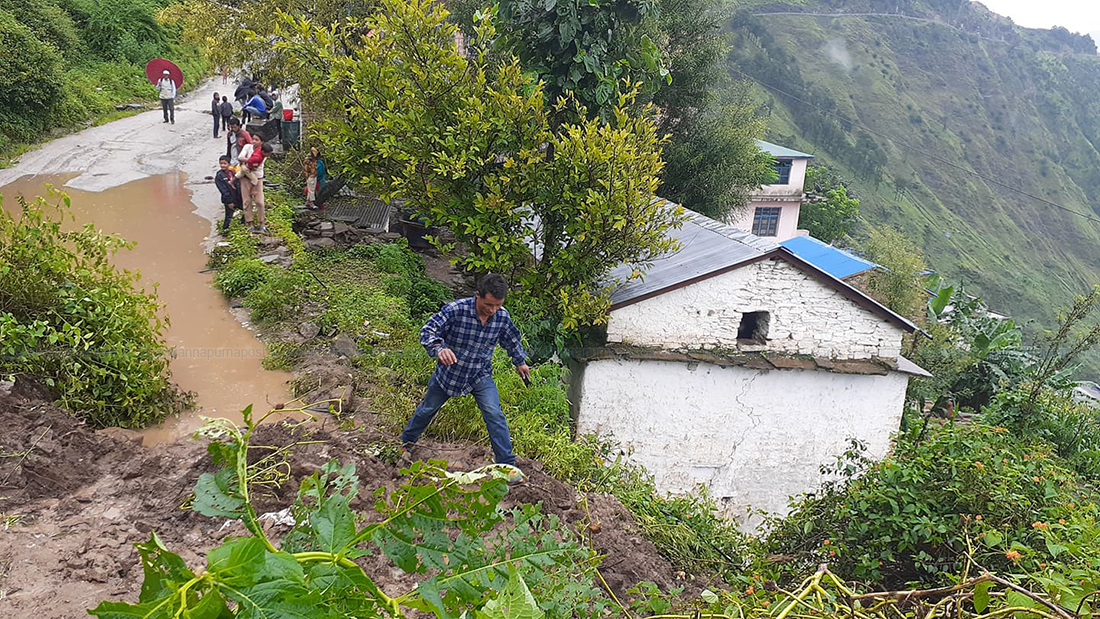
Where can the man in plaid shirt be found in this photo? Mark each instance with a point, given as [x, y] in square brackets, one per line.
[462, 337]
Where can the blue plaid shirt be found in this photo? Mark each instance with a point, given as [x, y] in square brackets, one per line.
[457, 327]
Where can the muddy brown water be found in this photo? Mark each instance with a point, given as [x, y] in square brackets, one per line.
[216, 356]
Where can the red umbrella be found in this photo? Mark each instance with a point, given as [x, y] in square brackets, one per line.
[156, 68]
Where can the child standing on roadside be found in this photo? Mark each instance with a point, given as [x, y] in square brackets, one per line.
[310, 169]
[226, 109]
[227, 187]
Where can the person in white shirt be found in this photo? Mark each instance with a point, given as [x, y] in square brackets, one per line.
[166, 89]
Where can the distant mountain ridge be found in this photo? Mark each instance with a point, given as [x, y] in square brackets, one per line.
[932, 107]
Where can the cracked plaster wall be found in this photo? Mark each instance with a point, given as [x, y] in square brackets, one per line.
[807, 317]
[754, 437]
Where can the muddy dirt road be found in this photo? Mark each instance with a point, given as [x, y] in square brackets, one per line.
[145, 180]
[137, 147]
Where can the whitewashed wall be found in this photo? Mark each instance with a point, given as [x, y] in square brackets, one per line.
[753, 437]
[807, 317]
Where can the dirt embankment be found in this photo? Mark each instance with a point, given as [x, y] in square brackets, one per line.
[74, 500]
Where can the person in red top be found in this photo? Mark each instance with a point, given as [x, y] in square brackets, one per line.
[251, 173]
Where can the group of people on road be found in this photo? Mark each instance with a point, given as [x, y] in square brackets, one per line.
[255, 99]
[240, 179]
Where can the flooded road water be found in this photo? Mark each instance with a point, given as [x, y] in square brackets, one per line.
[216, 356]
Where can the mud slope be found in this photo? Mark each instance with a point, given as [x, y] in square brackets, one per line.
[75, 500]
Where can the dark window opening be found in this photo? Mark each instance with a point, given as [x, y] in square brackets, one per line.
[783, 169]
[754, 326]
[765, 221]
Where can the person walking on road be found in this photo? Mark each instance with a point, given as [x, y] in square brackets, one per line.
[462, 337]
[166, 90]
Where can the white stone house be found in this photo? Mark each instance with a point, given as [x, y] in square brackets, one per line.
[773, 210]
[736, 365]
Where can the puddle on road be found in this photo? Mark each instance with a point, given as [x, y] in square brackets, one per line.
[216, 357]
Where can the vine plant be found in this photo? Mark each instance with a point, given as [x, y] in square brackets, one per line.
[447, 526]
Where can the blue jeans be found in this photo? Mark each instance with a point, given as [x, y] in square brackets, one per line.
[217, 123]
[488, 400]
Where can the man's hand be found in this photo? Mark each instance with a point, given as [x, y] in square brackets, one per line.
[524, 372]
[447, 356]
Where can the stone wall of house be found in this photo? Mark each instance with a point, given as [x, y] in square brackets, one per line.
[805, 316]
[753, 437]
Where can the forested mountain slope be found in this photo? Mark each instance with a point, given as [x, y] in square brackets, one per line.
[928, 106]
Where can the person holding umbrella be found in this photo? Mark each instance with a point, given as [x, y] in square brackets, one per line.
[166, 89]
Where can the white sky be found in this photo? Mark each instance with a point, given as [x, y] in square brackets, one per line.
[1077, 15]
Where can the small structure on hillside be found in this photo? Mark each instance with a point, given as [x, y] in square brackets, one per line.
[736, 365]
[773, 209]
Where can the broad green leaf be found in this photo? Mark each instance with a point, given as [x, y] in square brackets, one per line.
[279, 599]
[122, 610]
[514, 601]
[333, 525]
[993, 538]
[238, 562]
[210, 606]
[981, 596]
[216, 495]
[1055, 549]
[165, 572]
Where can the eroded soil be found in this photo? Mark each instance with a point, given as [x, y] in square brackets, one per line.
[74, 501]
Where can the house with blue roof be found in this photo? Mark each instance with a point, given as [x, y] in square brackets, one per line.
[736, 364]
[773, 209]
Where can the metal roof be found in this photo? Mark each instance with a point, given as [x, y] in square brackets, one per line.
[781, 152]
[711, 248]
[707, 246]
[833, 260]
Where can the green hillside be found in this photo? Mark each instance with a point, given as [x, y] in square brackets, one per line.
[917, 108]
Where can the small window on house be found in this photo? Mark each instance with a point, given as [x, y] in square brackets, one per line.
[754, 326]
[783, 169]
[765, 222]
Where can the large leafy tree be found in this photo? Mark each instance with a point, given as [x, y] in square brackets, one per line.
[467, 141]
[585, 48]
[676, 49]
[830, 214]
[897, 285]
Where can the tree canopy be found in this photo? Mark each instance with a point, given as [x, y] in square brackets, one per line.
[468, 143]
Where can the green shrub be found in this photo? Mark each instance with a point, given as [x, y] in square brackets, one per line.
[30, 79]
[123, 30]
[912, 516]
[398, 259]
[425, 297]
[49, 22]
[1073, 429]
[239, 277]
[278, 297]
[72, 319]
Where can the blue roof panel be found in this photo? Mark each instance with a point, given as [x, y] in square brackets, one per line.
[836, 262]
